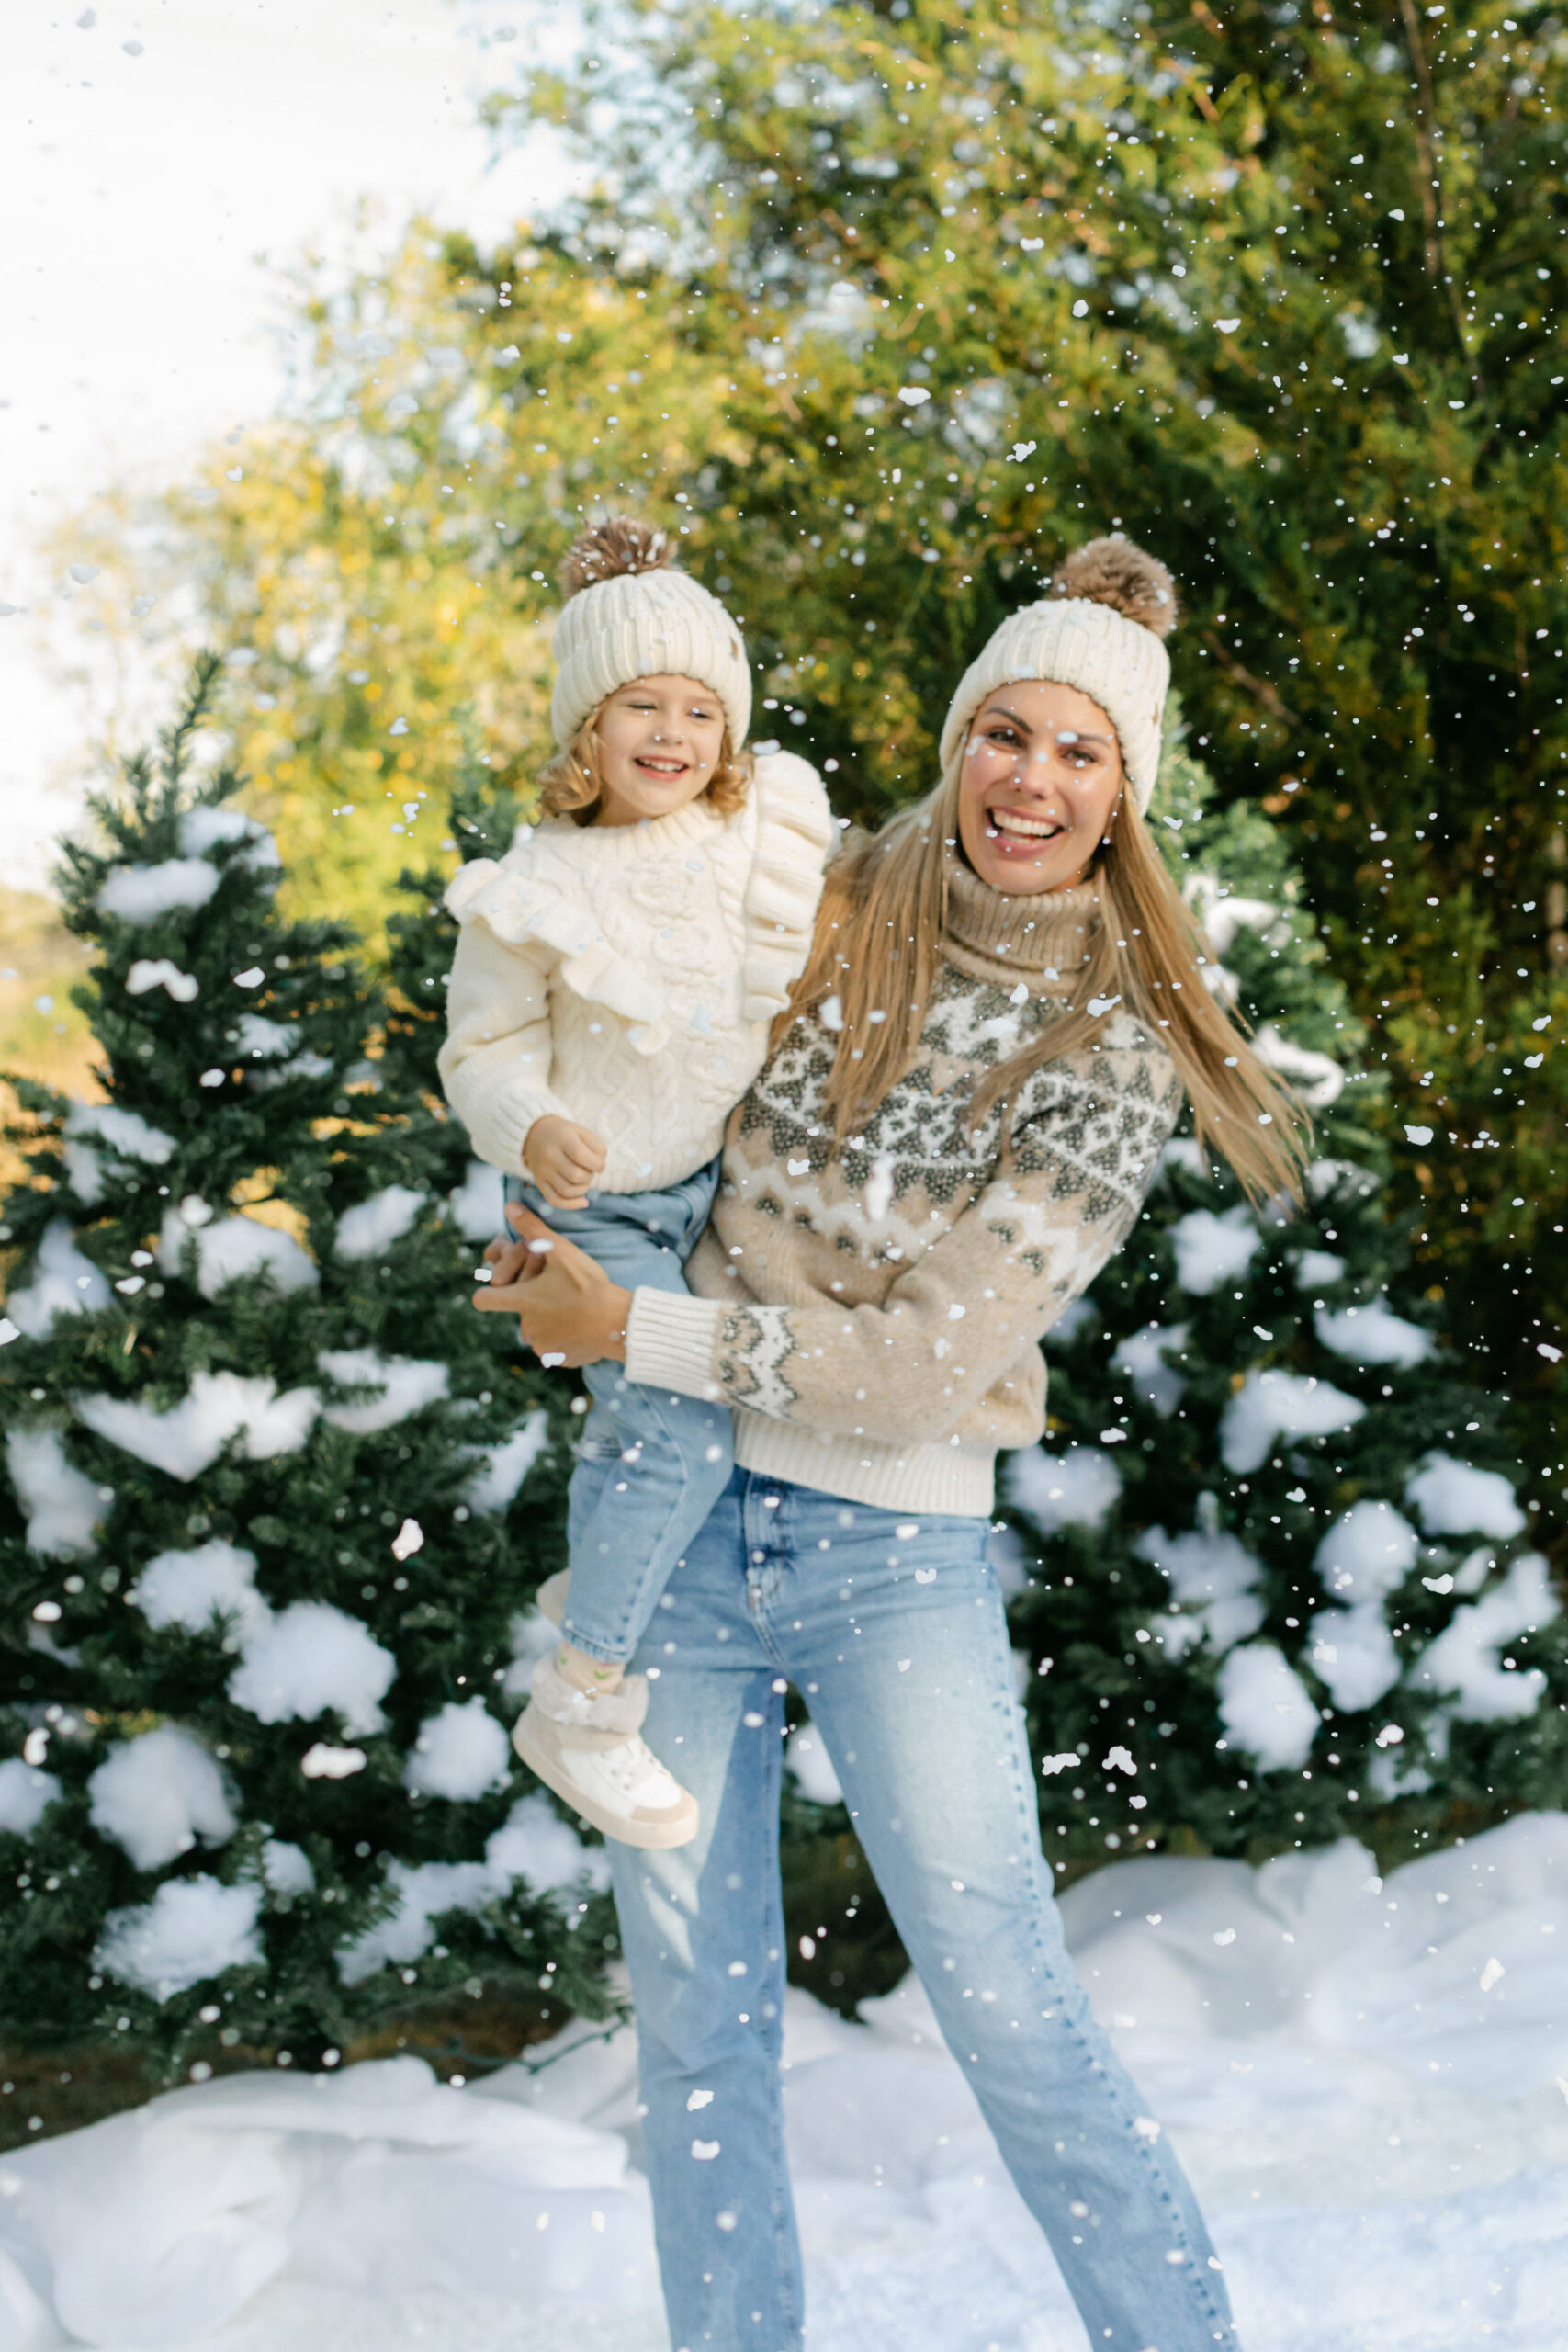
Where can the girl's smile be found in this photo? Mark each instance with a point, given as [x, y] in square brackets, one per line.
[658, 740]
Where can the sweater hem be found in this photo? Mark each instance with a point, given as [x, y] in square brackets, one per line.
[943, 1481]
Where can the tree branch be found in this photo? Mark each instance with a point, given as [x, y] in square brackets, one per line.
[1431, 183]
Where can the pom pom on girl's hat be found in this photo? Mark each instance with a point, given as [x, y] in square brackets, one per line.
[1099, 629]
[630, 614]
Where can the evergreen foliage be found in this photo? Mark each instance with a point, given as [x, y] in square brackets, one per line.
[894, 305]
[276, 1497]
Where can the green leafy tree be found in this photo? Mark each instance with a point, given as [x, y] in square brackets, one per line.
[275, 1499]
[891, 306]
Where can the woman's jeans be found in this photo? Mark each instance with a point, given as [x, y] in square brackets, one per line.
[893, 1631]
[649, 1466]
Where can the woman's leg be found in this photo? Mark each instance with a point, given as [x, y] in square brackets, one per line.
[897, 1636]
[703, 1930]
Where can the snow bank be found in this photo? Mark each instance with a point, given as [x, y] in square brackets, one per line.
[308, 1660]
[372, 1226]
[62, 1506]
[158, 1794]
[1072, 1489]
[1378, 2142]
[193, 1433]
[1271, 1405]
[64, 1282]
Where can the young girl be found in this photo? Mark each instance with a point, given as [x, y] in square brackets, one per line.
[616, 978]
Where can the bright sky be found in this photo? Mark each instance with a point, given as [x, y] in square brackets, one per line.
[161, 161]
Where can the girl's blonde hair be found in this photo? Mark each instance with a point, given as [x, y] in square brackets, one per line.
[876, 949]
[570, 785]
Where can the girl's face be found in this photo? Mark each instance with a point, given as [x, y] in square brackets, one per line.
[1041, 782]
[659, 742]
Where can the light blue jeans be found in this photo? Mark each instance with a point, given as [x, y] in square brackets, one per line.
[649, 1466]
[894, 1633]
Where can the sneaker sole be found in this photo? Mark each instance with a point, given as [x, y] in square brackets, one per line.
[678, 1829]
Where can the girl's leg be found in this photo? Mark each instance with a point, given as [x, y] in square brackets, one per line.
[651, 1464]
[703, 1930]
[897, 1636]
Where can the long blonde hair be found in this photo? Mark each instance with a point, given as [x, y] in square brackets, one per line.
[876, 949]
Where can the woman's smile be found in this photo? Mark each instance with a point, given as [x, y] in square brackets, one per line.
[1041, 776]
[1014, 829]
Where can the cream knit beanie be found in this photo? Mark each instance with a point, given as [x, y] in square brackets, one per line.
[629, 613]
[1100, 630]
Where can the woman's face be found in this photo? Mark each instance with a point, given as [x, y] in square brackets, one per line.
[1041, 781]
[659, 742]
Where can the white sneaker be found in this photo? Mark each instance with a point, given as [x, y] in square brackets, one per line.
[587, 1749]
[551, 1598]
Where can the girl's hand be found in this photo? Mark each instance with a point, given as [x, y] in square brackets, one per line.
[568, 1309]
[563, 1160]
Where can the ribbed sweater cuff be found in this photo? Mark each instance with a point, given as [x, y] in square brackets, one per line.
[669, 1343]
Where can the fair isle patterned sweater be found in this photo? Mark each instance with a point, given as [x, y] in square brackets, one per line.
[875, 1315]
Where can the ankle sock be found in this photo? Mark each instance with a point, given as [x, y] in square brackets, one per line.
[594, 1674]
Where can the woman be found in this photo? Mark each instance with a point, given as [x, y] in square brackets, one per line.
[961, 1115]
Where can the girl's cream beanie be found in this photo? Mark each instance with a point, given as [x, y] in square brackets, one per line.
[629, 613]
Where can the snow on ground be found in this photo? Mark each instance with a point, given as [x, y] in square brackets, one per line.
[1367, 2079]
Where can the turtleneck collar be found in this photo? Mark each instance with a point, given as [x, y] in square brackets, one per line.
[1047, 932]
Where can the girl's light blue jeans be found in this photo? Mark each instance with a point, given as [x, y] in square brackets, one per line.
[894, 1633]
[649, 1466]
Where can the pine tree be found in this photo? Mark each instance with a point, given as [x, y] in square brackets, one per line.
[274, 1498]
[1285, 1588]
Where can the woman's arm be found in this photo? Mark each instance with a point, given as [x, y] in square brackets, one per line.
[495, 1063]
[910, 1370]
[907, 1371]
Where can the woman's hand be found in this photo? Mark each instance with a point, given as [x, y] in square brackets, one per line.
[568, 1309]
[563, 1160]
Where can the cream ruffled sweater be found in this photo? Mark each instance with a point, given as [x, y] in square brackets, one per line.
[627, 975]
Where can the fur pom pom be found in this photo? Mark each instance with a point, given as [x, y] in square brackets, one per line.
[1118, 573]
[606, 551]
